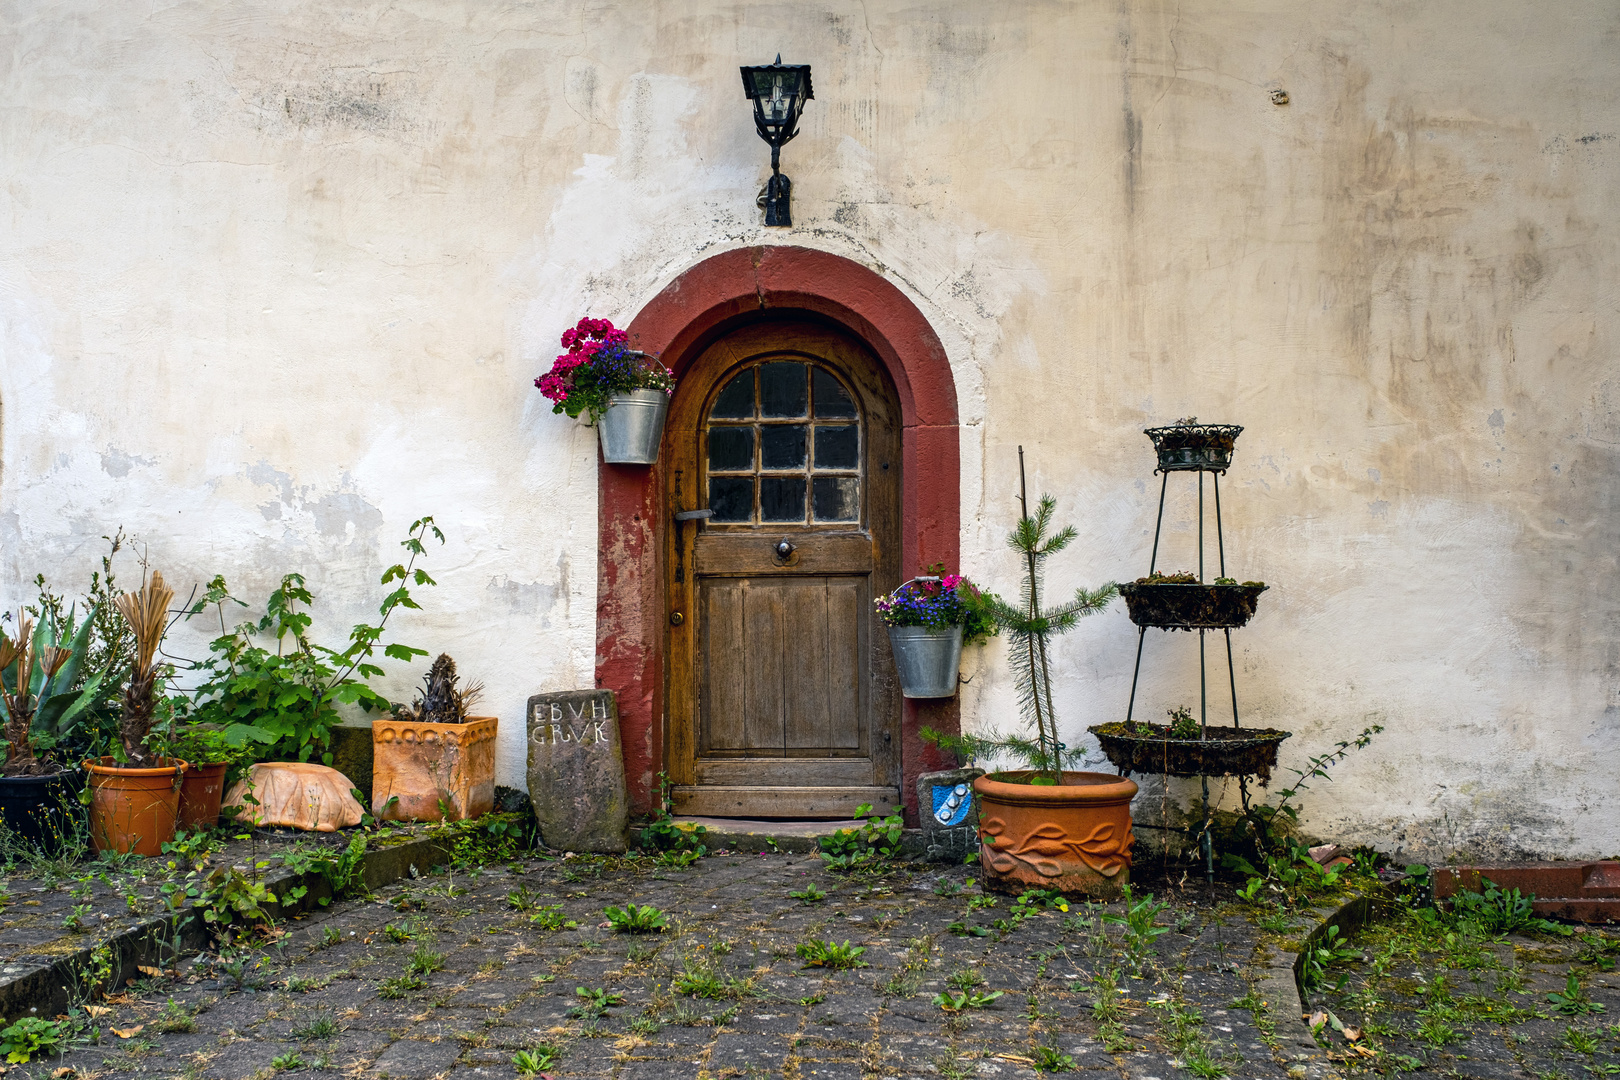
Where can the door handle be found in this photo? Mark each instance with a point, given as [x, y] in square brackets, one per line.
[784, 549]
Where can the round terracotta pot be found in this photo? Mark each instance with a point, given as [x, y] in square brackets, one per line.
[1074, 836]
[133, 810]
[201, 788]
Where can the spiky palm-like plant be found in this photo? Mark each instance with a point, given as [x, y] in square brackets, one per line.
[442, 701]
[147, 612]
[1029, 625]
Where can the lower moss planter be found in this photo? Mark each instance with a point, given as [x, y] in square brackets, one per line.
[1149, 748]
[432, 772]
[1074, 836]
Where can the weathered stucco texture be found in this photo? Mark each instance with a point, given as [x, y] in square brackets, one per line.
[275, 278]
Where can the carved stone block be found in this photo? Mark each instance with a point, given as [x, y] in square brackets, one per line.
[576, 771]
[949, 814]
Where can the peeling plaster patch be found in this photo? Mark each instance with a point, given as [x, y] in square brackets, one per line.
[346, 514]
[1378, 508]
[116, 463]
[266, 476]
[527, 599]
[1496, 420]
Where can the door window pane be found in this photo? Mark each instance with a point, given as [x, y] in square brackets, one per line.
[736, 401]
[832, 400]
[731, 498]
[784, 425]
[837, 447]
[731, 448]
[782, 389]
[781, 498]
[837, 498]
[781, 446]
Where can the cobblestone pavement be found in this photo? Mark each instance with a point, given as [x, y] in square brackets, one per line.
[453, 974]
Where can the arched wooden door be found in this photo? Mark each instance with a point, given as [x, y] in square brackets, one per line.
[781, 697]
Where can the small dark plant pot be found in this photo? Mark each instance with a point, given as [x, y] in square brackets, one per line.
[1194, 447]
[41, 810]
[1227, 751]
[1191, 607]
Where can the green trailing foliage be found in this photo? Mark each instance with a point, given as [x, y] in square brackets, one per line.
[267, 682]
[871, 845]
[1496, 911]
[31, 1037]
[43, 706]
[343, 871]
[1326, 951]
[1573, 1001]
[538, 1060]
[1139, 921]
[632, 919]
[827, 954]
[954, 1001]
[662, 837]
[76, 715]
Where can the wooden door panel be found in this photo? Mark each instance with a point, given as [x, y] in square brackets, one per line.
[807, 771]
[847, 617]
[780, 698]
[812, 660]
[764, 697]
[754, 553]
[723, 657]
[782, 662]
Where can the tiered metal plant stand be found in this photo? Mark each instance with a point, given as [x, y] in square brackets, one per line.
[1192, 605]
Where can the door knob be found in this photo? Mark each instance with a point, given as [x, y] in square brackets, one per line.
[784, 549]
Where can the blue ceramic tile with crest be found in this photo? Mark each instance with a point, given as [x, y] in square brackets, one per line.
[952, 803]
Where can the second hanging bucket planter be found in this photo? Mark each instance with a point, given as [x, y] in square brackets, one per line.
[633, 427]
[926, 659]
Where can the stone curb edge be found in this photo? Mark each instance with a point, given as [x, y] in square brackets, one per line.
[160, 939]
[1282, 979]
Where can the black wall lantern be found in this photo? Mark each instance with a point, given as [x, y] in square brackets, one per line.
[778, 92]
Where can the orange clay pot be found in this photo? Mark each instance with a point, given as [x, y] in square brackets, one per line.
[1074, 836]
[439, 772]
[133, 810]
[200, 790]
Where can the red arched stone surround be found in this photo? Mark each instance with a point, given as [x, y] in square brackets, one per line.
[705, 301]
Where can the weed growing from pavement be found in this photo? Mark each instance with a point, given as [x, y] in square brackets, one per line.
[818, 953]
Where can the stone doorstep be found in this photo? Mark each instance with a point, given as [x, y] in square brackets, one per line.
[154, 940]
[1578, 891]
[799, 837]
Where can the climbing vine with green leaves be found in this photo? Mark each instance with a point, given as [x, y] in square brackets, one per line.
[283, 694]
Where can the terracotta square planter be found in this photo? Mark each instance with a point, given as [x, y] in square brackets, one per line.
[427, 765]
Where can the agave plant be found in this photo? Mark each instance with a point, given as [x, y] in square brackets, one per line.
[37, 671]
[441, 701]
[147, 612]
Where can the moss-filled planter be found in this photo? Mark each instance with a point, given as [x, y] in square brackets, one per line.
[1190, 607]
[1224, 752]
[1188, 447]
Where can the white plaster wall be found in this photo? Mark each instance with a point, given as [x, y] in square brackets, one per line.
[275, 278]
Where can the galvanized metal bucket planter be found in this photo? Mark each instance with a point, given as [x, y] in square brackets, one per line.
[1222, 751]
[633, 426]
[927, 659]
[1170, 606]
